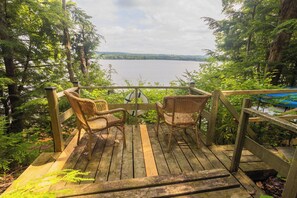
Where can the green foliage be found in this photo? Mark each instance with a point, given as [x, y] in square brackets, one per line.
[5, 81]
[15, 149]
[227, 76]
[239, 62]
[265, 196]
[38, 187]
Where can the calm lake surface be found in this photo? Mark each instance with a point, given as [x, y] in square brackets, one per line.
[161, 71]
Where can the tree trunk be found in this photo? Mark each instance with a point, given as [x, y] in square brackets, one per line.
[282, 40]
[249, 40]
[14, 99]
[294, 78]
[83, 64]
[67, 45]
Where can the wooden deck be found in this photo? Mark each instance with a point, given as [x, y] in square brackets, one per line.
[145, 169]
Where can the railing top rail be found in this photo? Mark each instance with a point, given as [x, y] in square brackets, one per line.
[195, 90]
[134, 87]
[61, 93]
[257, 92]
[275, 120]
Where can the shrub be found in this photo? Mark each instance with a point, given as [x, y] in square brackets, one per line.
[15, 149]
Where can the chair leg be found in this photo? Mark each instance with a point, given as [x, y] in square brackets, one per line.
[158, 125]
[89, 146]
[78, 138]
[169, 141]
[197, 137]
[124, 136]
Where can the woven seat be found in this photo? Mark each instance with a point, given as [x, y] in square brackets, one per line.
[181, 112]
[94, 116]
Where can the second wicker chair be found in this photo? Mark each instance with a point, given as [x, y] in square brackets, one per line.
[181, 112]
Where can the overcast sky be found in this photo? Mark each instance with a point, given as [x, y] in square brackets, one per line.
[153, 26]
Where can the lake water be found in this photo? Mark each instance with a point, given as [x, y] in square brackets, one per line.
[161, 71]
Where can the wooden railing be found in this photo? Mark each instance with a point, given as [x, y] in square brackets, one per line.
[57, 117]
[221, 96]
[284, 168]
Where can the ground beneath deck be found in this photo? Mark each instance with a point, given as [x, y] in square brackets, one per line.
[145, 163]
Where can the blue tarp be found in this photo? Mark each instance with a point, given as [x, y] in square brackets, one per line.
[288, 100]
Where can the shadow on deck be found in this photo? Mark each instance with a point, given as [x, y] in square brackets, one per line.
[145, 169]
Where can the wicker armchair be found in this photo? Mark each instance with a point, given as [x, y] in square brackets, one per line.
[94, 116]
[181, 112]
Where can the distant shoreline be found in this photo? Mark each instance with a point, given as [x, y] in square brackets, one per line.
[132, 56]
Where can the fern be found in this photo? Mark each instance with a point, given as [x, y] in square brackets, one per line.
[38, 187]
[14, 149]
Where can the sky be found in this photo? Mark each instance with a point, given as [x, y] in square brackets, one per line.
[153, 26]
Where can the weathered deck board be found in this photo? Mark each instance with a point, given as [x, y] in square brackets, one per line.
[127, 166]
[37, 169]
[249, 163]
[138, 160]
[245, 181]
[191, 158]
[172, 163]
[174, 189]
[162, 166]
[204, 161]
[226, 193]
[211, 157]
[116, 161]
[111, 163]
[96, 157]
[171, 185]
[104, 166]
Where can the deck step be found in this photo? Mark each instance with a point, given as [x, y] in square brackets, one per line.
[250, 164]
[286, 152]
[200, 182]
[37, 169]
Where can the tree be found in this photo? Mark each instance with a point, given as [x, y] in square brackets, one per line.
[84, 36]
[67, 44]
[288, 11]
[7, 52]
[30, 48]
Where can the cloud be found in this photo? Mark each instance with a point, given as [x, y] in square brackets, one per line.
[153, 26]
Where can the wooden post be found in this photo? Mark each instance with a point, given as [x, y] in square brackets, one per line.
[54, 115]
[136, 102]
[76, 84]
[213, 117]
[241, 131]
[191, 85]
[290, 189]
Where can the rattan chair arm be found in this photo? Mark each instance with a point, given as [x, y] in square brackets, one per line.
[160, 109]
[118, 110]
[97, 117]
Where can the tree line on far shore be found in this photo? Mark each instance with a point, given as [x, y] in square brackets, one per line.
[134, 56]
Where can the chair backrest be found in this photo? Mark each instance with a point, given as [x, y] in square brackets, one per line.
[82, 107]
[185, 104]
